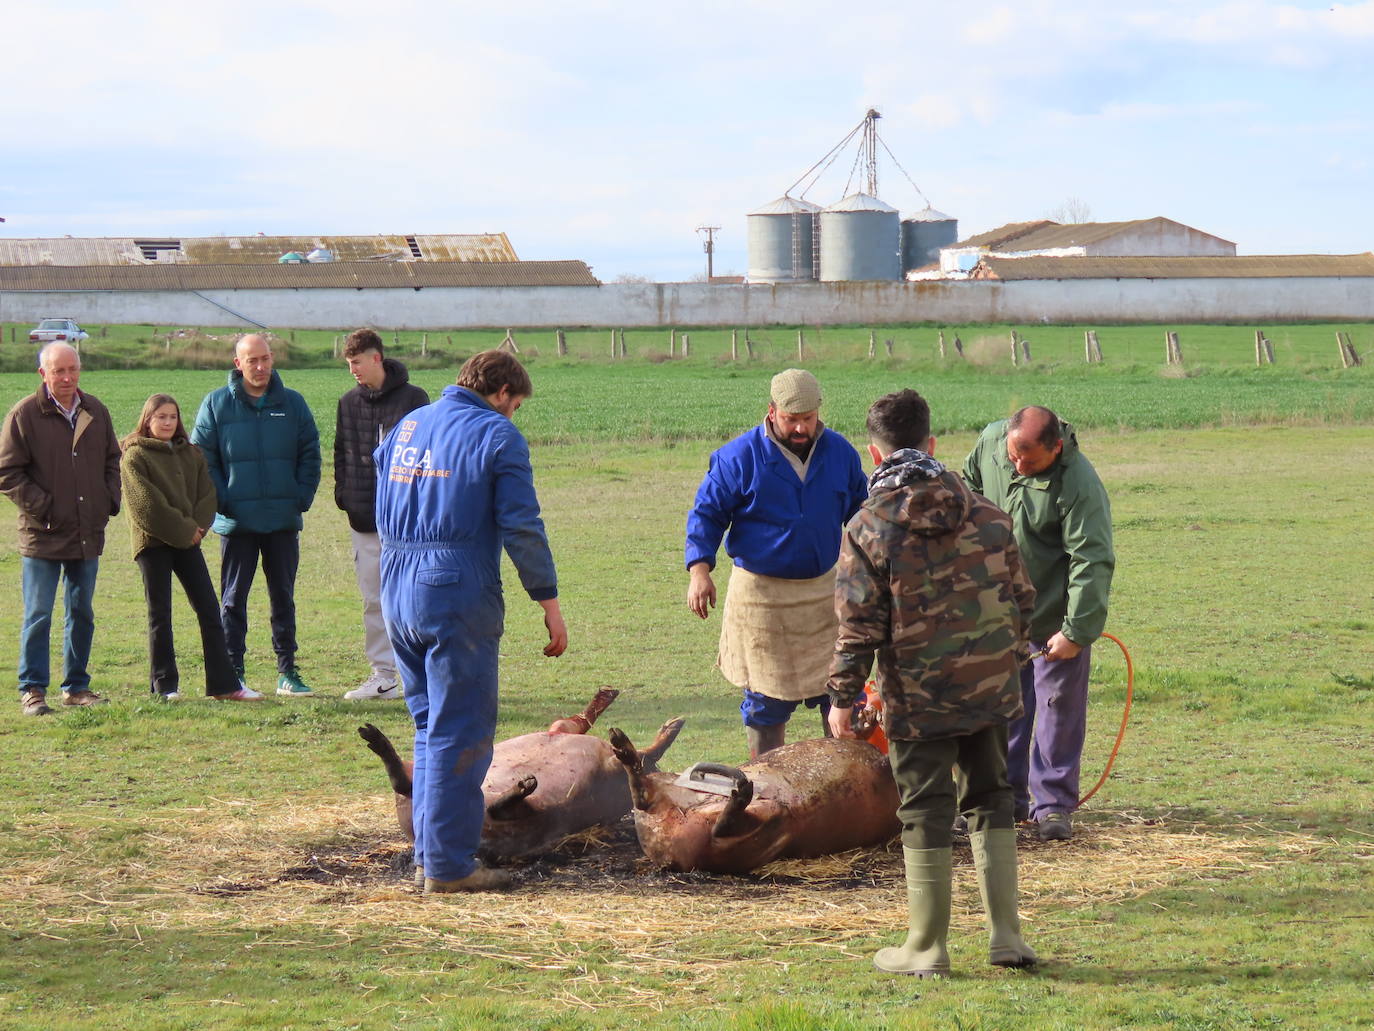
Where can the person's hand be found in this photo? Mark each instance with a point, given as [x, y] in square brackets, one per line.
[841, 721]
[701, 590]
[558, 630]
[1060, 648]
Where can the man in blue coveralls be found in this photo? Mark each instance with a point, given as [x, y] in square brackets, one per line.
[454, 487]
[783, 491]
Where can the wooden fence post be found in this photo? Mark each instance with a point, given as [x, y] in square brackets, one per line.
[1173, 354]
[561, 343]
[958, 346]
[734, 345]
[615, 348]
[1015, 356]
[749, 344]
[942, 343]
[672, 343]
[888, 344]
[1025, 350]
[508, 344]
[801, 347]
[686, 344]
[872, 344]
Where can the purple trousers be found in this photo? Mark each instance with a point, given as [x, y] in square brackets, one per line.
[1045, 745]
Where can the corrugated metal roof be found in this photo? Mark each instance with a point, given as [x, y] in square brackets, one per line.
[787, 206]
[862, 202]
[252, 250]
[1255, 266]
[1003, 234]
[336, 274]
[1046, 235]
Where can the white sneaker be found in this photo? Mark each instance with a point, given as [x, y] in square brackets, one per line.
[378, 686]
[243, 694]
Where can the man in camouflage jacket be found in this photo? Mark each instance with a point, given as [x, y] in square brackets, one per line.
[930, 580]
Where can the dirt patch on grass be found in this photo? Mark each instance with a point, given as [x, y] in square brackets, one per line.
[343, 871]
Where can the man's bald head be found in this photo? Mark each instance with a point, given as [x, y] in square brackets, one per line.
[1035, 438]
[253, 358]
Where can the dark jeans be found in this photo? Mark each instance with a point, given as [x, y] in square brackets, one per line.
[922, 771]
[157, 565]
[281, 554]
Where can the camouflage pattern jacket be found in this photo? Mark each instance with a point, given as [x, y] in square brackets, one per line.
[930, 579]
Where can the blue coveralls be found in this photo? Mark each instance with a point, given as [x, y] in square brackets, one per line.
[454, 485]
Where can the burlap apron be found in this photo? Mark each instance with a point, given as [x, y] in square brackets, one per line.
[777, 636]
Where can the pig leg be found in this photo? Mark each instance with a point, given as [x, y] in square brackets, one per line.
[731, 821]
[381, 745]
[503, 808]
[582, 722]
[667, 734]
[633, 762]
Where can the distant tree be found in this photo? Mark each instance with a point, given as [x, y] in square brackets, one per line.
[631, 277]
[1072, 211]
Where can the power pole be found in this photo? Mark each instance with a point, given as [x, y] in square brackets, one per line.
[709, 246]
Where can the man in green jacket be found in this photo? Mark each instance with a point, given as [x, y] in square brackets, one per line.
[263, 452]
[1031, 468]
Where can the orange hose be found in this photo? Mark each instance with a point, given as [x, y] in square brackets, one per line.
[1125, 716]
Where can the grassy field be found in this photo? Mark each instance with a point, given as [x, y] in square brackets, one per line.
[238, 867]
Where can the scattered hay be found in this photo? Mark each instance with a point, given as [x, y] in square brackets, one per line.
[341, 870]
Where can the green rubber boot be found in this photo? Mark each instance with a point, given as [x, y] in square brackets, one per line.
[923, 954]
[994, 858]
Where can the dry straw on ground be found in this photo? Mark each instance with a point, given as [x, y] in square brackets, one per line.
[323, 873]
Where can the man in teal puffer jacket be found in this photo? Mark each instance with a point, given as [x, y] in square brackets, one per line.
[263, 451]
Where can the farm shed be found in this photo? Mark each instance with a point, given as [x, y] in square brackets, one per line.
[1144, 237]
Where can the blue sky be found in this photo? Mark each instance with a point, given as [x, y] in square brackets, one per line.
[610, 131]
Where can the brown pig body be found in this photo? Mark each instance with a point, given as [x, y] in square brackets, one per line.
[540, 787]
[806, 799]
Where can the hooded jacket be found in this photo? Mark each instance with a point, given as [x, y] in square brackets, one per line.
[263, 454]
[1063, 524]
[364, 418]
[64, 480]
[930, 579]
[167, 492]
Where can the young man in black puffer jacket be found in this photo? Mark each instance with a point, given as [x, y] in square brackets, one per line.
[366, 414]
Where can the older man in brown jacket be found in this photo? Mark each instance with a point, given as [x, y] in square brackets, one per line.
[59, 462]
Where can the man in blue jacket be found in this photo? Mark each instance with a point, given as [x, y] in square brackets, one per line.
[263, 451]
[454, 486]
[779, 496]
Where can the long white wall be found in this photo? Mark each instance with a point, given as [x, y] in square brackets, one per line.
[696, 304]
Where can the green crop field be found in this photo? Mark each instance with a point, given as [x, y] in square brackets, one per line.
[238, 867]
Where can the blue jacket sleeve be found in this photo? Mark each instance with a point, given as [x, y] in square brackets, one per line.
[307, 454]
[517, 517]
[205, 435]
[717, 499]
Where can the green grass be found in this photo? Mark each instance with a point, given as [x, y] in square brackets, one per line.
[1222, 879]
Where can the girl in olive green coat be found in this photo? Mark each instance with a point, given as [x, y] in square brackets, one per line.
[171, 503]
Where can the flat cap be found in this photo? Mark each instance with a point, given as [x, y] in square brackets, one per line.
[795, 391]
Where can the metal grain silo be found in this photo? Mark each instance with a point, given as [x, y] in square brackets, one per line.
[782, 241]
[923, 234]
[860, 239]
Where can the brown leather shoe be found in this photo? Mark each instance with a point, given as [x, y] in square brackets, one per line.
[484, 878]
[83, 698]
[34, 703]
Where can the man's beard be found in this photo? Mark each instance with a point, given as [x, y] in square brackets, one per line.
[799, 446]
